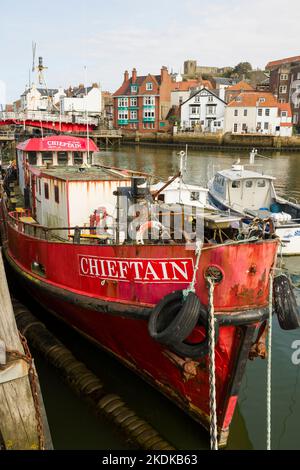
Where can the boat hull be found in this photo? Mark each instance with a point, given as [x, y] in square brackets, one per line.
[183, 381]
[108, 292]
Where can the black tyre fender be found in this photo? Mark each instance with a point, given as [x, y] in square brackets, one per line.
[285, 304]
[197, 350]
[173, 319]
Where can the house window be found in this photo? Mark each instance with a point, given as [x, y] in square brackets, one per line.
[122, 102]
[283, 89]
[197, 99]
[149, 114]
[133, 88]
[193, 110]
[266, 126]
[244, 127]
[46, 190]
[258, 126]
[210, 99]
[149, 101]
[235, 128]
[56, 194]
[262, 100]
[211, 110]
[245, 112]
[298, 76]
[133, 101]
[282, 100]
[284, 76]
[295, 118]
[260, 112]
[236, 112]
[267, 112]
[149, 86]
[283, 113]
[133, 114]
[122, 115]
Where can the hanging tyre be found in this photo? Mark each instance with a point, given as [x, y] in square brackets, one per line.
[285, 304]
[174, 318]
[197, 350]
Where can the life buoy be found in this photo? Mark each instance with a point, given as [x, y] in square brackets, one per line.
[148, 226]
[285, 304]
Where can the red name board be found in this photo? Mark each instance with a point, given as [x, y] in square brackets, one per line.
[177, 270]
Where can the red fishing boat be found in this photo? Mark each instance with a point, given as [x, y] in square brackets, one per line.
[145, 299]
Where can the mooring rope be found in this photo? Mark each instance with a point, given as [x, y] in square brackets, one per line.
[191, 287]
[269, 367]
[212, 369]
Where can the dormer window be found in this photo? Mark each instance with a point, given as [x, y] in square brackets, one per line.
[133, 88]
[238, 99]
[149, 86]
[262, 100]
[284, 113]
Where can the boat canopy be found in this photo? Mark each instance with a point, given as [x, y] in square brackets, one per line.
[242, 174]
[58, 143]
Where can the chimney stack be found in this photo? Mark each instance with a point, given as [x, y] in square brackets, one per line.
[133, 77]
[163, 73]
[126, 76]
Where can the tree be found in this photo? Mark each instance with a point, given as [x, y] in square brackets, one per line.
[243, 68]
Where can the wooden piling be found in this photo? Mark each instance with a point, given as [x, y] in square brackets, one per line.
[23, 423]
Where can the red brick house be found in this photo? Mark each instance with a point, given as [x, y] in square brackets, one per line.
[285, 83]
[142, 103]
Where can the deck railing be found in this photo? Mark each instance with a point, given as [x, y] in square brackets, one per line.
[41, 232]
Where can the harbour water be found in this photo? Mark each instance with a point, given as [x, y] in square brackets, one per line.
[74, 426]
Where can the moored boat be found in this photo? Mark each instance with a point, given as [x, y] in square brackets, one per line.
[251, 194]
[88, 250]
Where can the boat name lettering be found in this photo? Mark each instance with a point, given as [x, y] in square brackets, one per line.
[175, 270]
[68, 144]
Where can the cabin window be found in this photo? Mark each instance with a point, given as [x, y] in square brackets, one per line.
[46, 190]
[47, 157]
[261, 183]
[56, 194]
[236, 184]
[78, 159]
[195, 196]
[40, 188]
[32, 159]
[62, 158]
[249, 184]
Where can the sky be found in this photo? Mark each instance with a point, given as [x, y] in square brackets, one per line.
[108, 37]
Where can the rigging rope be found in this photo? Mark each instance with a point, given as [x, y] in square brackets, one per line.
[269, 367]
[212, 369]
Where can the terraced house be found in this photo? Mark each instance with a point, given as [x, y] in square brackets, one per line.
[142, 103]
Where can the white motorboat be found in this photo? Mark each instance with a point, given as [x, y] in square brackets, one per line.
[251, 194]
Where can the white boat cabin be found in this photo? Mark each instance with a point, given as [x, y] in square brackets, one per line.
[243, 190]
[179, 192]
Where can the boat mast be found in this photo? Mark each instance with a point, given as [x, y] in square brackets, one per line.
[87, 118]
